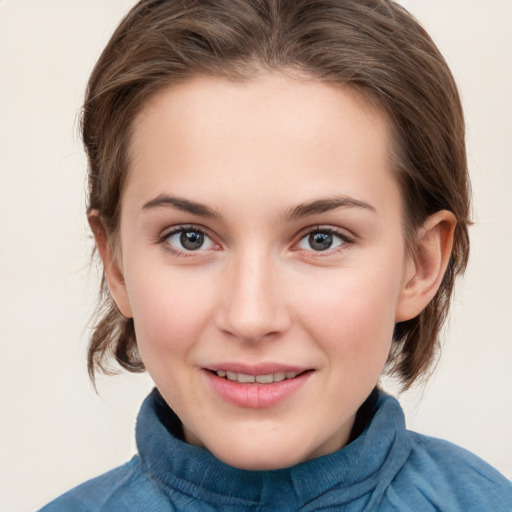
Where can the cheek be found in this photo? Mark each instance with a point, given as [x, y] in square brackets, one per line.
[353, 319]
[171, 316]
[168, 315]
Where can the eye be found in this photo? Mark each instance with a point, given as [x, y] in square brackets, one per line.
[322, 240]
[189, 239]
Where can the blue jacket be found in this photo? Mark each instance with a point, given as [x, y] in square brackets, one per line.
[385, 468]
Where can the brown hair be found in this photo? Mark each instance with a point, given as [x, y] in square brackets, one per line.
[375, 46]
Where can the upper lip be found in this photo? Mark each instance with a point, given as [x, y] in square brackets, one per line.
[256, 369]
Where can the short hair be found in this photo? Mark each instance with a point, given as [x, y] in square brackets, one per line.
[374, 46]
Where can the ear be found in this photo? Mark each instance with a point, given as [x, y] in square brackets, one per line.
[113, 273]
[426, 267]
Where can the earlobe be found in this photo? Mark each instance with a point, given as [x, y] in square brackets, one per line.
[113, 273]
[425, 270]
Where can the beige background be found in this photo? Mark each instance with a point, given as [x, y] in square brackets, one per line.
[55, 431]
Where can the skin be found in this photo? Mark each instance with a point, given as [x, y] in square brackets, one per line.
[247, 155]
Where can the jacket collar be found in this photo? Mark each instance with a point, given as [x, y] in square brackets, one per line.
[365, 466]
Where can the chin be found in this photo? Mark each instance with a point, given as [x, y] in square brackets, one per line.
[254, 458]
[258, 462]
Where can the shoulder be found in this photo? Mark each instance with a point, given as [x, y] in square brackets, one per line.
[119, 489]
[449, 478]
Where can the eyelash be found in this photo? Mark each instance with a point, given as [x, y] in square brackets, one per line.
[308, 232]
[184, 253]
[345, 240]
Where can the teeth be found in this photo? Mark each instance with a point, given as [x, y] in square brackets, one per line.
[245, 378]
[260, 379]
[265, 379]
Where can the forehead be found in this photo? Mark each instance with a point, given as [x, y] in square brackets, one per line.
[294, 136]
[297, 105]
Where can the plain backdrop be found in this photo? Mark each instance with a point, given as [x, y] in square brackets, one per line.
[55, 432]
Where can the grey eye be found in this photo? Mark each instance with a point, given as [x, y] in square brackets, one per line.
[189, 240]
[321, 241]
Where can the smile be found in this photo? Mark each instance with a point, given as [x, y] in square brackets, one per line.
[268, 378]
[256, 387]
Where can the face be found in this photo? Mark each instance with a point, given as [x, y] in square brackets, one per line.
[263, 262]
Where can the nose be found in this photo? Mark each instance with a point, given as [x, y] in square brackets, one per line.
[253, 305]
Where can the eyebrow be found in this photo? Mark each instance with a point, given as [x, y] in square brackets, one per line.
[184, 205]
[325, 205]
[294, 213]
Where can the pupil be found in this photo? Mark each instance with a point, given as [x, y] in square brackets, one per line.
[191, 240]
[320, 241]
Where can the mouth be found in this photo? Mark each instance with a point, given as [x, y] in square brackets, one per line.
[256, 387]
[267, 378]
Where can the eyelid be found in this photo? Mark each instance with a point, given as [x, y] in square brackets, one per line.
[172, 230]
[341, 233]
[348, 239]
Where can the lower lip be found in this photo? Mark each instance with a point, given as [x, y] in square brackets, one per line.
[254, 395]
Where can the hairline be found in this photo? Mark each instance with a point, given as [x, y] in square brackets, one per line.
[365, 97]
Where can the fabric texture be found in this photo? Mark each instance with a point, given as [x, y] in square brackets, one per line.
[385, 468]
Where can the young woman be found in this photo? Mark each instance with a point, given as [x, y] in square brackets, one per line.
[279, 196]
